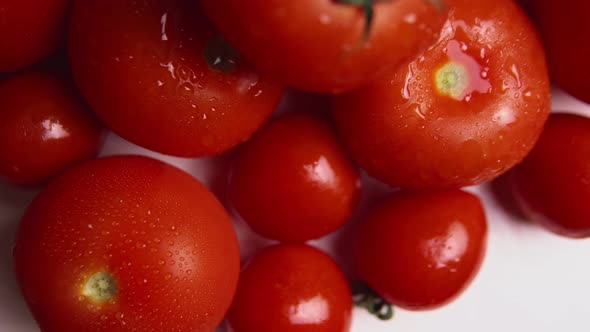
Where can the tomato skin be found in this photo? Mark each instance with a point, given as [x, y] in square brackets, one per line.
[30, 31]
[146, 77]
[45, 127]
[291, 288]
[563, 25]
[418, 250]
[318, 45]
[552, 183]
[164, 238]
[293, 181]
[406, 131]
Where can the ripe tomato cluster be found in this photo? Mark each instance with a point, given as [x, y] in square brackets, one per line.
[426, 96]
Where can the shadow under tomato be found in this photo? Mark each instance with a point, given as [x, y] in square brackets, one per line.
[303, 101]
[13, 203]
[501, 189]
[217, 179]
[340, 243]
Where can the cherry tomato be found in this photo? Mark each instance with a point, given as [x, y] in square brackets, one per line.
[563, 25]
[30, 30]
[291, 288]
[553, 183]
[126, 243]
[293, 181]
[322, 45]
[463, 112]
[158, 74]
[421, 250]
[44, 127]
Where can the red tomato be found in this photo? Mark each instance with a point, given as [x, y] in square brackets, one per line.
[44, 127]
[319, 45]
[126, 243]
[421, 250]
[553, 183]
[293, 181]
[291, 288]
[30, 30]
[463, 112]
[157, 73]
[565, 31]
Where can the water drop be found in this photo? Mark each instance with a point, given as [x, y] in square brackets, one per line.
[325, 19]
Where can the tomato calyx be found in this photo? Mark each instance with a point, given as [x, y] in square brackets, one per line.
[364, 297]
[220, 56]
[440, 5]
[369, 11]
[100, 287]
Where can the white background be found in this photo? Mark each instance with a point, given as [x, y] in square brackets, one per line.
[531, 280]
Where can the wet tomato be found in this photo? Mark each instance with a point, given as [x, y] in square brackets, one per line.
[126, 243]
[293, 181]
[421, 250]
[291, 288]
[30, 30]
[463, 112]
[564, 27]
[323, 45]
[159, 75]
[45, 127]
[553, 183]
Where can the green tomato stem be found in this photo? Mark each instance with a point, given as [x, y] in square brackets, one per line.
[220, 56]
[365, 297]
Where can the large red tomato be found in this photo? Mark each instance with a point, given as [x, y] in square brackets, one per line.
[291, 288]
[564, 27]
[293, 181]
[461, 113]
[421, 250]
[44, 127]
[553, 183]
[159, 75]
[30, 30]
[126, 244]
[326, 45]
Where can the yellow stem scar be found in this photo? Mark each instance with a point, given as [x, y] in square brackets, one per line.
[451, 80]
[100, 287]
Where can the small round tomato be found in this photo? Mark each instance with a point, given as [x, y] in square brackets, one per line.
[126, 243]
[158, 74]
[463, 112]
[564, 27]
[45, 127]
[552, 184]
[421, 250]
[291, 288]
[326, 45]
[30, 30]
[293, 181]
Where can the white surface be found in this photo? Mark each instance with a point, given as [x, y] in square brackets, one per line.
[531, 280]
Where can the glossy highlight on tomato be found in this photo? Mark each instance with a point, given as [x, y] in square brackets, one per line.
[30, 30]
[564, 27]
[45, 127]
[420, 250]
[552, 184]
[320, 45]
[126, 243]
[293, 181]
[463, 112]
[162, 77]
[291, 288]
